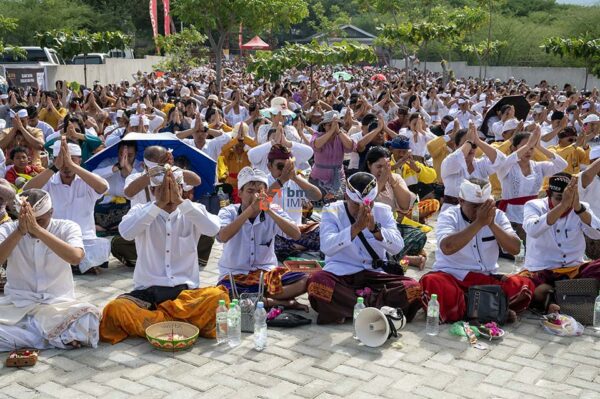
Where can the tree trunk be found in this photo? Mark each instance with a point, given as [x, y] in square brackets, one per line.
[489, 41]
[85, 69]
[311, 79]
[219, 64]
[426, 55]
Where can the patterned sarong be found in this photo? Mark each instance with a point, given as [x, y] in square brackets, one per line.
[274, 280]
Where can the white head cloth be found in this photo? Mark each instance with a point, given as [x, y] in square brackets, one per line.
[248, 174]
[157, 174]
[473, 193]
[367, 196]
[74, 149]
[40, 208]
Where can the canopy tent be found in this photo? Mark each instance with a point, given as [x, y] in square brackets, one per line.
[256, 44]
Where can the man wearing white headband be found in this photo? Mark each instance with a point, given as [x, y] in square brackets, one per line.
[356, 236]
[469, 236]
[39, 309]
[22, 135]
[166, 278]
[589, 192]
[248, 233]
[75, 191]
[137, 190]
[464, 115]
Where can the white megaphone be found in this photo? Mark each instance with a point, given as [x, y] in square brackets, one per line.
[374, 326]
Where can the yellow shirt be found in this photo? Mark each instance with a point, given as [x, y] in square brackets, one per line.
[52, 118]
[427, 175]
[233, 162]
[575, 156]
[439, 150]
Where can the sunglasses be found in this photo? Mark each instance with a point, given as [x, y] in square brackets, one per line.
[280, 166]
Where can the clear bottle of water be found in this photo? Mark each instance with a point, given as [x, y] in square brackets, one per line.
[360, 305]
[260, 327]
[519, 260]
[433, 316]
[415, 215]
[596, 324]
[221, 322]
[234, 326]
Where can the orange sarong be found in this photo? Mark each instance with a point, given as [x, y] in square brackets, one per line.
[122, 317]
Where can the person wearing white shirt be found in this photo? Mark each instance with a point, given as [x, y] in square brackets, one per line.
[350, 269]
[301, 152]
[75, 191]
[279, 114]
[462, 164]
[199, 140]
[507, 112]
[589, 192]
[556, 227]
[35, 122]
[166, 279]
[39, 309]
[2, 165]
[522, 178]
[418, 136]
[248, 233]
[290, 191]
[464, 115]
[469, 237]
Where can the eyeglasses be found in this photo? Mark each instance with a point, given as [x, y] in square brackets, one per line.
[280, 166]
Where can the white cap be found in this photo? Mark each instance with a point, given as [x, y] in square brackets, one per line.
[248, 174]
[74, 149]
[2, 123]
[473, 193]
[538, 108]
[510, 124]
[449, 127]
[586, 105]
[184, 92]
[591, 118]
[561, 99]
[120, 113]
[595, 153]
[279, 106]
[461, 101]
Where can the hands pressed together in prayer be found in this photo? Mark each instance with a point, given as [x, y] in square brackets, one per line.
[570, 197]
[168, 194]
[27, 221]
[486, 213]
[63, 160]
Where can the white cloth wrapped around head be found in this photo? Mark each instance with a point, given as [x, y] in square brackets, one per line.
[40, 208]
[157, 174]
[367, 195]
[248, 174]
[475, 191]
[74, 149]
[7, 195]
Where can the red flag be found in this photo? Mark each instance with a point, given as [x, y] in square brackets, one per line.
[167, 7]
[153, 18]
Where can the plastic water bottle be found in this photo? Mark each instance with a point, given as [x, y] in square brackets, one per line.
[519, 259]
[260, 327]
[360, 305]
[234, 326]
[433, 316]
[223, 198]
[415, 210]
[596, 324]
[221, 322]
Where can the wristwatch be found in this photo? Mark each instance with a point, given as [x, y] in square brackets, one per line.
[581, 210]
[54, 168]
[377, 228]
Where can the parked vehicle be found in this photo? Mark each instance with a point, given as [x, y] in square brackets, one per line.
[35, 55]
[90, 59]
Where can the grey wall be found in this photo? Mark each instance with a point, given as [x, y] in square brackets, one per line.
[557, 76]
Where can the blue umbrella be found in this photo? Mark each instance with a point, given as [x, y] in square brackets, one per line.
[200, 162]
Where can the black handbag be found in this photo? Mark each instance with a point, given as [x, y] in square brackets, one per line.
[576, 298]
[487, 303]
[388, 266]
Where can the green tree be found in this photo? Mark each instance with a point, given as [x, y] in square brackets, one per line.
[582, 48]
[185, 50]
[71, 43]
[328, 26]
[218, 18]
[9, 25]
[271, 66]
[483, 51]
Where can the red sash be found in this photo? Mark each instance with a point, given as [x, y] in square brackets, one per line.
[503, 204]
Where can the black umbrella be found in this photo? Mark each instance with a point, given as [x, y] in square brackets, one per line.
[520, 103]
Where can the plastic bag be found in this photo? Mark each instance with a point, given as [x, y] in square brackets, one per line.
[562, 325]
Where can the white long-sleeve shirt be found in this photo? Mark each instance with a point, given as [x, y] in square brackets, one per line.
[344, 256]
[116, 181]
[516, 185]
[465, 117]
[253, 247]
[212, 147]
[437, 107]
[167, 243]
[559, 245]
[480, 255]
[454, 170]
[2, 164]
[35, 274]
[418, 146]
[258, 156]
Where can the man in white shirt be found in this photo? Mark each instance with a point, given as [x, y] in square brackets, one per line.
[35, 122]
[469, 237]
[556, 227]
[166, 278]
[75, 191]
[589, 192]
[39, 309]
[290, 191]
[248, 233]
[199, 140]
[350, 269]
[137, 190]
[464, 114]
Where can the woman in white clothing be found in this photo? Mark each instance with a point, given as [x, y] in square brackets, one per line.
[434, 106]
[418, 136]
[462, 164]
[522, 178]
[236, 111]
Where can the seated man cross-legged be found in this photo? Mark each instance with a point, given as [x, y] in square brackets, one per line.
[469, 236]
[349, 271]
[39, 309]
[166, 277]
[556, 227]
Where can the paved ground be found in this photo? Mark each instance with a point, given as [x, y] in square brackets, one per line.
[313, 362]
